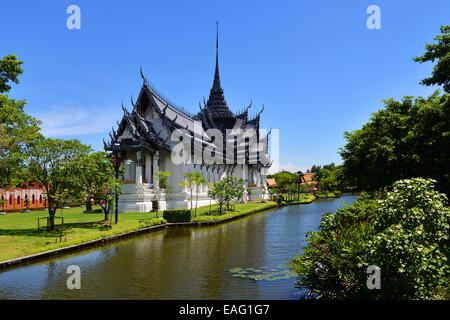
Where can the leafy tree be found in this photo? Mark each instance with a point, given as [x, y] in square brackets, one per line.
[98, 180]
[408, 138]
[404, 232]
[55, 163]
[226, 190]
[194, 180]
[18, 133]
[9, 71]
[440, 52]
[189, 184]
[284, 179]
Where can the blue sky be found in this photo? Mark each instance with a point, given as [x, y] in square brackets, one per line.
[315, 65]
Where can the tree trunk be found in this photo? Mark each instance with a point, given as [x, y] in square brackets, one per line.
[106, 210]
[51, 219]
[88, 205]
[196, 202]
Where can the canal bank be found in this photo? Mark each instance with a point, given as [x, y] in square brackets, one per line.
[182, 263]
[101, 241]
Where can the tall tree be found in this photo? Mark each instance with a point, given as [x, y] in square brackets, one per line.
[406, 139]
[193, 181]
[439, 51]
[55, 163]
[18, 130]
[98, 179]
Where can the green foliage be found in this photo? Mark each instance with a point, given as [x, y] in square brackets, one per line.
[97, 179]
[177, 215]
[408, 138]
[284, 179]
[162, 177]
[227, 190]
[55, 163]
[18, 133]
[194, 180]
[9, 71]
[152, 222]
[411, 241]
[440, 52]
[405, 233]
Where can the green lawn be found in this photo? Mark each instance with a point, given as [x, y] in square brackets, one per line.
[19, 235]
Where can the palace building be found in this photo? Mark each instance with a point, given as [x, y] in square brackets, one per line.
[157, 136]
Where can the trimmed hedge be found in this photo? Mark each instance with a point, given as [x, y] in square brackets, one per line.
[177, 215]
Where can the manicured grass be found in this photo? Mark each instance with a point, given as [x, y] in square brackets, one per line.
[239, 208]
[19, 235]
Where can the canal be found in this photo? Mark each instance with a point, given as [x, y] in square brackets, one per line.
[243, 259]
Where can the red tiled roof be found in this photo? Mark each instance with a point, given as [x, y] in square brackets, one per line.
[271, 183]
[308, 177]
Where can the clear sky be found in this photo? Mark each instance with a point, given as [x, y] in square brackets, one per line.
[315, 65]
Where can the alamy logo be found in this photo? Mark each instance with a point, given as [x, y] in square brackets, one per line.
[374, 20]
[74, 280]
[374, 279]
[74, 20]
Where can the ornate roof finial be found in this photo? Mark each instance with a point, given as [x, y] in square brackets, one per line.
[216, 84]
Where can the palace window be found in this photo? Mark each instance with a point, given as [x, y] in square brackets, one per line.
[18, 200]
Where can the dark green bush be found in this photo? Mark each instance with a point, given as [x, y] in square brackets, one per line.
[404, 232]
[177, 215]
[279, 200]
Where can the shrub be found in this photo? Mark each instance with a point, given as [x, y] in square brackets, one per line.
[337, 193]
[153, 222]
[177, 215]
[279, 200]
[405, 233]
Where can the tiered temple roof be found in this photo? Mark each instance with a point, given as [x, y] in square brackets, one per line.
[153, 117]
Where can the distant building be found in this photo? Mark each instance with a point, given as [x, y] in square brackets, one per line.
[14, 197]
[271, 183]
[309, 180]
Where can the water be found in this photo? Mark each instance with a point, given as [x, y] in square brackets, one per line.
[182, 262]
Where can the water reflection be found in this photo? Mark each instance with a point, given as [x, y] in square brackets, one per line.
[180, 263]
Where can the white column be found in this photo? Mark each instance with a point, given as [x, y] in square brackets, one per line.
[156, 169]
[258, 178]
[245, 174]
[138, 167]
[148, 167]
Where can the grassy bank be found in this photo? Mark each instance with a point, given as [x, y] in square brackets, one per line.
[19, 235]
[240, 208]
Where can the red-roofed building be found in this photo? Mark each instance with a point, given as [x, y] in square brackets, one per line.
[271, 183]
[309, 180]
[15, 197]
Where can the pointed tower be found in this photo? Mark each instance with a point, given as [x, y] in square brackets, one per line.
[216, 105]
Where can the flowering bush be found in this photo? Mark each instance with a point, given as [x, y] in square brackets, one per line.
[404, 233]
